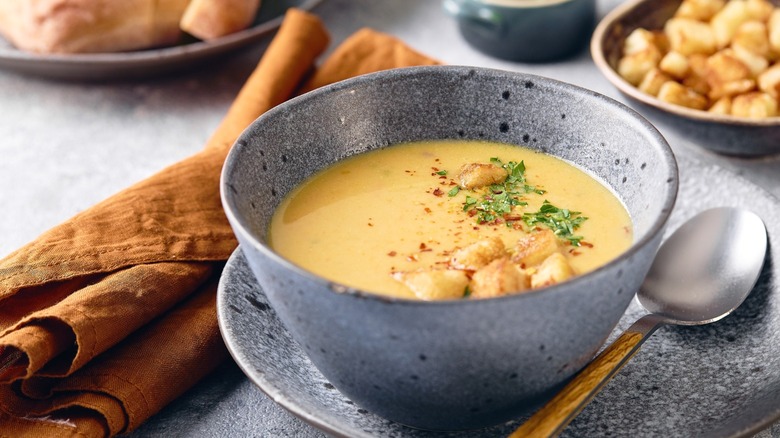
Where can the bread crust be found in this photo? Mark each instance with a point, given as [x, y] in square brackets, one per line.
[83, 26]
[209, 19]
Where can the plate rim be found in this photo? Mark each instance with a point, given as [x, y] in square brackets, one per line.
[271, 391]
[95, 65]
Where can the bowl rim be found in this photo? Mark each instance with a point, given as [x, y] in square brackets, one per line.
[656, 227]
[599, 58]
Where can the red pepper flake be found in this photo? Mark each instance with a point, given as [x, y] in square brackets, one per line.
[476, 228]
[438, 192]
[423, 246]
[586, 244]
[435, 169]
[428, 210]
[370, 224]
[392, 253]
[412, 258]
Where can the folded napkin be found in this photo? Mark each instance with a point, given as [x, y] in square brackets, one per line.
[109, 316]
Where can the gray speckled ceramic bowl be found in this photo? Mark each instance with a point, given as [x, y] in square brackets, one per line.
[453, 364]
[739, 136]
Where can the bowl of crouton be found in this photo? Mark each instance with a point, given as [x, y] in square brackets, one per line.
[461, 361]
[709, 69]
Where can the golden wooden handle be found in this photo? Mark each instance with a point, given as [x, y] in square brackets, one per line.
[551, 419]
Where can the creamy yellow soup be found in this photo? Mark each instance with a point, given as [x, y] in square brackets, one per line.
[401, 209]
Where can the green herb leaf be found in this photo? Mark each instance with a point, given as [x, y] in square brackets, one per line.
[453, 191]
[441, 172]
[561, 221]
[499, 199]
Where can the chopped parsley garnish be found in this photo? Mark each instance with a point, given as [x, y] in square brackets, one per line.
[561, 221]
[441, 172]
[516, 176]
[496, 202]
[499, 199]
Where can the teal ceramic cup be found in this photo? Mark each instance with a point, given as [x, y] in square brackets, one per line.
[525, 30]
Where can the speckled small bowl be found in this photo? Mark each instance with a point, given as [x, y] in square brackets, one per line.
[738, 136]
[461, 364]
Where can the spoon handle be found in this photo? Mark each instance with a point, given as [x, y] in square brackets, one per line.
[554, 416]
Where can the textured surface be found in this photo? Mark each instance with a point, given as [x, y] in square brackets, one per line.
[66, 146]
[716, 380]
[459, 364]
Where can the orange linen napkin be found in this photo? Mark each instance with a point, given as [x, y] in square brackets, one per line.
[109, 316]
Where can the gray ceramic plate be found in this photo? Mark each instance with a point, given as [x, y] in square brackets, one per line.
[716, 380]
[146, 63]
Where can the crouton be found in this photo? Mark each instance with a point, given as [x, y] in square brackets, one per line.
[674, 64]
[769, 81]
[725, 23]
[754, 62]
[688, 36]
[435, 284]
[639, 40]
[721, 106]
[533, 248]
[732, 88]
[725, 67]
[635, 66]
[500, 277]
[478, 254]
[678, 94]
[553, 270]
[476, 175]
[727, 75]
[697, 71]
[753, 36]
[773, 27]
[653, 80]
[754, 105]
[701, 10]
[759, 10]
[697, 84]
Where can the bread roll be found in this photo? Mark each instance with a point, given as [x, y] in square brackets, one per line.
[209, 19]
[79, 26]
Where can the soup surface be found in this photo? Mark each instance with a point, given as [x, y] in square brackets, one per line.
[410, 221]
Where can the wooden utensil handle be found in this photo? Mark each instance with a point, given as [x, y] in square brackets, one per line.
[553, 417]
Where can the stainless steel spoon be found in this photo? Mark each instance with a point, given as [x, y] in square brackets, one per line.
[703, 271]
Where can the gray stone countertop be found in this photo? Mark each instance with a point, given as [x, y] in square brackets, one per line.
[66, 145]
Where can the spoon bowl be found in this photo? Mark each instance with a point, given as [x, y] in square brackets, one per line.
[707, 268]
[700, 274]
